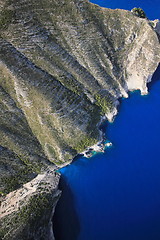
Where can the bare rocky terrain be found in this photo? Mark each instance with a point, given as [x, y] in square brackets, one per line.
[63, 67]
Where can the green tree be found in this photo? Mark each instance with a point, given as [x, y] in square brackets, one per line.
[138, 12]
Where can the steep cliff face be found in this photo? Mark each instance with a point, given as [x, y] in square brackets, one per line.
[67, 62]
[27, 213]
[63, 65]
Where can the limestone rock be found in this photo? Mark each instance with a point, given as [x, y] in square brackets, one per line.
[63, 66]
[69, 62]
[27, 213]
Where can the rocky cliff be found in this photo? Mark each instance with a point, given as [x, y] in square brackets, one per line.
[63, 66]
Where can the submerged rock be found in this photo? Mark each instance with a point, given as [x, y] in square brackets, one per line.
[63, 65]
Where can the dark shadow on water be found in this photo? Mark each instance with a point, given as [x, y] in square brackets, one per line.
[77, 157]
[65, 221]
[103, 127]
[156, 77]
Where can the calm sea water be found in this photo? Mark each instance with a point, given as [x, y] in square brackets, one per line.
[151, 7]
[116, 195]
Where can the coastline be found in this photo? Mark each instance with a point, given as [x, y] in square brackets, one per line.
[104, 143]
[115, 166]
[56, 80]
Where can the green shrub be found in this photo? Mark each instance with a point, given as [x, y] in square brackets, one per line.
[6, 17]
[84, 143]
[138, 12]
[104, 103]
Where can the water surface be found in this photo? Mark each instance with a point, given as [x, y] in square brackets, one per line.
[151, 7]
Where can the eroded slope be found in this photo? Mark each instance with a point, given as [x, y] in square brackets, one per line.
[63, 65]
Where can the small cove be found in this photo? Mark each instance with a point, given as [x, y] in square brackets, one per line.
[116, 195]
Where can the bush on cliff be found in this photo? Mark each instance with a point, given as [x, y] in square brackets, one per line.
[138, 12]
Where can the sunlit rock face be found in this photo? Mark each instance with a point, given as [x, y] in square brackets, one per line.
[63, 65]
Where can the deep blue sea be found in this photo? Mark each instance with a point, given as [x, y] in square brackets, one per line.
[151, 7]
[116, 195]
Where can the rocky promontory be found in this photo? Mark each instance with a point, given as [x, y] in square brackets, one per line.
[63, 67]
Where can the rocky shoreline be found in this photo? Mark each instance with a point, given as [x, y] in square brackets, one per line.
[63, 65]
[104, 143]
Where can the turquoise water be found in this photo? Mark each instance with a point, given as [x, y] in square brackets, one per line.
[116, 195]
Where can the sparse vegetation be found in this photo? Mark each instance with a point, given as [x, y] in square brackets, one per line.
[31, 216]
[63, 65]
[13, 182]
[36, 207]
[83, 144]
[6, 17]
[104, 103]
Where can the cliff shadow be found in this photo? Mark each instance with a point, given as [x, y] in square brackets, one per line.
[155, 78]
[65, 221]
